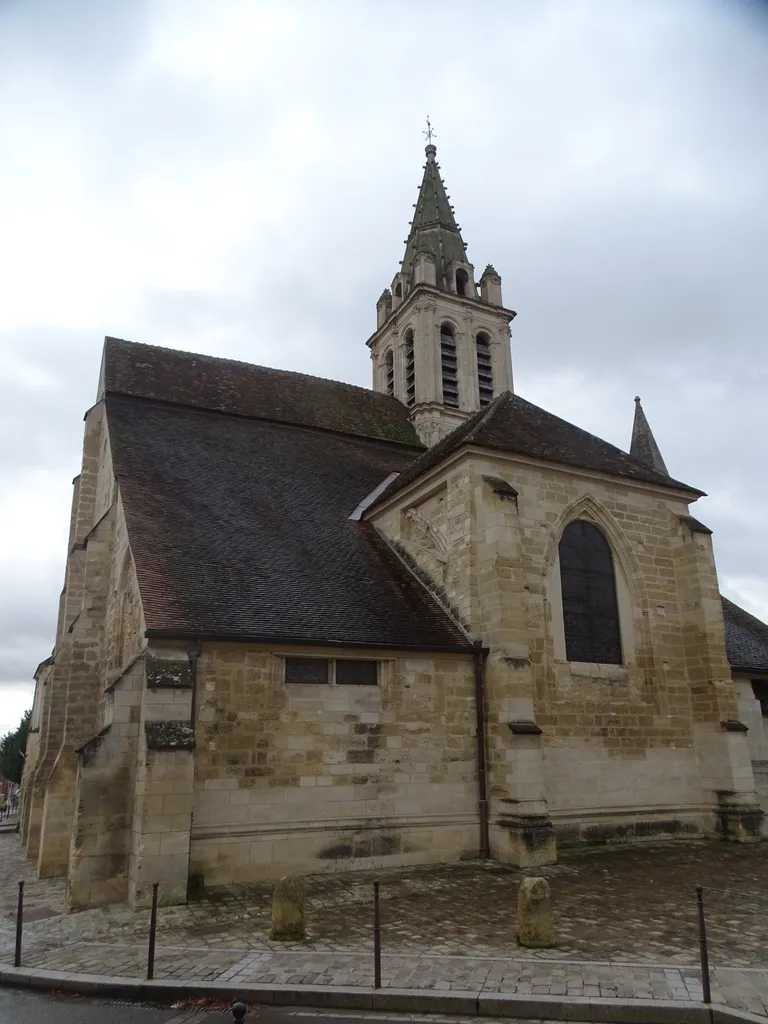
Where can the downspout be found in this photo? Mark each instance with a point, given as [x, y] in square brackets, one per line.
[479, 655]
[193, 654]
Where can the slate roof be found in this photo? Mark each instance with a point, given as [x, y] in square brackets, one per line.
[239, 529]
[226, 385]
[512, 424]
[644, 447]
[746, 639]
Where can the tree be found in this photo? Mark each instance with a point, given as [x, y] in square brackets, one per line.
[13, 747]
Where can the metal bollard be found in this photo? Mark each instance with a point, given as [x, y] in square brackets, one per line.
[376, 937]
[703, 952]
[19, 926]
[152, 935]
[239, 1011]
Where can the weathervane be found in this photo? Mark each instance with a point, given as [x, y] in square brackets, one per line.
[430, 133]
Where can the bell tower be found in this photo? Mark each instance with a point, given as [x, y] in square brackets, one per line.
[442, 339]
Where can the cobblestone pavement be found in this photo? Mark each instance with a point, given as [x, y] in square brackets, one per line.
[626, 920]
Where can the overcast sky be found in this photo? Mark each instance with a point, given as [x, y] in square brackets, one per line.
[236, 177]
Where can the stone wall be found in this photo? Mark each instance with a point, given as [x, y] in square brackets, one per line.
[73, 686]
[601, 751]
[107, 758]
[317, 777]
[78, 785]
[751, 714]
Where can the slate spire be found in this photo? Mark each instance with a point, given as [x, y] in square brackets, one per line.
[434, 229]
[644, 447]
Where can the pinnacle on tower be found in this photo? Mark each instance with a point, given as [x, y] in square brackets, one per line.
[434, 229]
[644, 447]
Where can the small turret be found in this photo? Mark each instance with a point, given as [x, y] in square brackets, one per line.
[490, 287]
[383, 307]
[643, 446]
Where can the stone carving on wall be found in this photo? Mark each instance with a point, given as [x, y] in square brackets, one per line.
[424, 534]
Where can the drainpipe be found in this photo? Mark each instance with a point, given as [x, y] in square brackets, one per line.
[479, 655]
[193, 654]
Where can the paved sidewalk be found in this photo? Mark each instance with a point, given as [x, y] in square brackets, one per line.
[627, 929]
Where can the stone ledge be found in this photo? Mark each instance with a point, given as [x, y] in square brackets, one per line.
[524, 727]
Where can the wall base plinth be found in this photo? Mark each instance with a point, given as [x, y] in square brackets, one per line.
[526, 840]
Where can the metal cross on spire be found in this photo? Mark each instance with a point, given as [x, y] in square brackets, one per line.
[430, 133]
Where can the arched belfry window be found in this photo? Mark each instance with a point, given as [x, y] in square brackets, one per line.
[590, 609]
[450, 366]
[462, 280]
[410, 369]
[484, 369]
[389, 371]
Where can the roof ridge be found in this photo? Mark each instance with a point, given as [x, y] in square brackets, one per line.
[252, 366]
[627, 455]
[488, 413]
[254, 392]
[204, 410]
[520, 429]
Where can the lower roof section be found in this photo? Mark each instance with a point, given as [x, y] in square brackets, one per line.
[240, 530]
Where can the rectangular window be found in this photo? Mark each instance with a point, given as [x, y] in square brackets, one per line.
[344, 672]
[356, 673]
[306, 670]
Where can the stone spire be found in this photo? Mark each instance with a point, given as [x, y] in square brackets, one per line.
[644, 447]
[434, 229]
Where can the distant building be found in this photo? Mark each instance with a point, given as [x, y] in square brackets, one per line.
[308, 626]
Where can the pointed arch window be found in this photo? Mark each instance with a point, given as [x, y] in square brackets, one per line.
[590, 608]
[450, 366]
[410, 369]
[484, 369]
[389, 371]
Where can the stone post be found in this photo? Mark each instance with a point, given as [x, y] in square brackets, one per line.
[535, 921]
[288, 910]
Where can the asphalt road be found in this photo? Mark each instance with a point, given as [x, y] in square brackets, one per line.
[18, 1006]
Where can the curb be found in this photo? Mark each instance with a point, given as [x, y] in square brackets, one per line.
[490, 1004]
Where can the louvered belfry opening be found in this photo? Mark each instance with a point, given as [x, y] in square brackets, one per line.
[590, 608]
[410, 370]
[389, 367]
[450, 366]
[484, 370]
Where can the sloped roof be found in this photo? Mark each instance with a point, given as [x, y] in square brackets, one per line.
[226, 385]
[239, 529]
[512, 424]
[746, 639]
[434, 228]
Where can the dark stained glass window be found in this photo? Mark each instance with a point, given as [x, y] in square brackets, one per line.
[357, 673]
[306, 670]
[590, 611]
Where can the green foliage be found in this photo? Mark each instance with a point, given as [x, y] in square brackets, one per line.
[13, 747]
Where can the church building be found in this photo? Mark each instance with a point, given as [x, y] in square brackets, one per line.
[310, 627]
